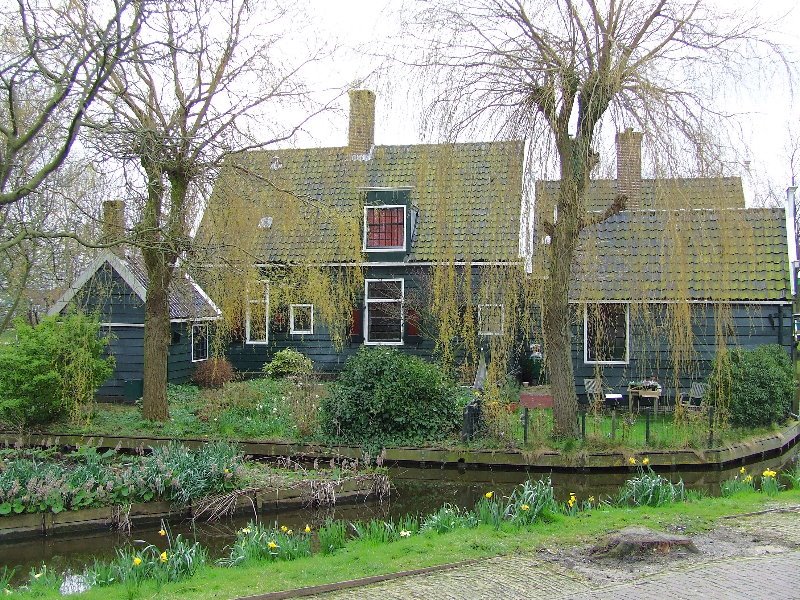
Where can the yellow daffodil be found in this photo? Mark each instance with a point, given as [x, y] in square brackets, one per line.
[272, 545]
[645, 461]
[525, 507]
[742, 471]
[164, 557]
[488, 495]
[289, 532]
[162, 532]
[748, 479]
[591, 499]
[226, 471]
[136, 561]
[307, 529]
[284, 528]
[37, 575]
[769, 473]
[632, 461]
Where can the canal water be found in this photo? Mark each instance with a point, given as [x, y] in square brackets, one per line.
[414, 491]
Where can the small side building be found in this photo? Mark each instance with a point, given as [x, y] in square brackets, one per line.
[114, 287]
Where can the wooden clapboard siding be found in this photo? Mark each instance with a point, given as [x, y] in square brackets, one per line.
[650, 350]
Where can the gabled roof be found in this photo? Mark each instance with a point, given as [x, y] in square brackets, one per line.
[689, 192]
[187, 300]
[468, 197]
[704, 254]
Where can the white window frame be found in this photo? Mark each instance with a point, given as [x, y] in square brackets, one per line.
[367, 302]
[627, 336]
[405, 228]
[502, 319]
[247, 328]
[204, 325]
[294, 330]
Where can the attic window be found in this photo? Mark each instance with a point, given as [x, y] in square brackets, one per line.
[385, 228]
[275, 163]
[265, 223]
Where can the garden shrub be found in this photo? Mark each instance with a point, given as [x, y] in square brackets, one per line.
[383, 395]
[756, 385]
[51, 369]
[288, 363]
[213, 373]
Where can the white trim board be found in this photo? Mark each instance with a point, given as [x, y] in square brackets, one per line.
[118, 264]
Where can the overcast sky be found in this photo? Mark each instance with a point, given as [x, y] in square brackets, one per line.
[768, 113]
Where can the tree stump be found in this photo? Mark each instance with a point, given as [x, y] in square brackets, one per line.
[641, 541]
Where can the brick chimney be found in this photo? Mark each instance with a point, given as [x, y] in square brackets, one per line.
[629, 167]
[361, 134]
[113, 225]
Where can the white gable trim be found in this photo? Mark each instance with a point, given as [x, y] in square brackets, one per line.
[204, 296]
[118, 264]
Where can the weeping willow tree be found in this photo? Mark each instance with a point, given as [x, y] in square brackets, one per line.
[558, 72]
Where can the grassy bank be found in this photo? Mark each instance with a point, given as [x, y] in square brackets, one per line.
[363, 558]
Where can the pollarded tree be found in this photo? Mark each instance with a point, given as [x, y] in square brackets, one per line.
[203, 78]
[556, 71]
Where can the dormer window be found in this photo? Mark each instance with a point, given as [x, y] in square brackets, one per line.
[385, 228]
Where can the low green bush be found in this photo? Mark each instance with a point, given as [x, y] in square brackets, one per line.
[756, 385]
[52, 370]
[288, 363]
[385, 396]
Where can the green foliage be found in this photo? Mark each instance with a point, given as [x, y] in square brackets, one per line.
[792, 476]
[288, 363]
[383, 395]
[89, 479]
[213, 373]
[448, 518]
[650, 489]
[756, 385]
[742, 482]
[51, 369]
[256, 542]
[332, 536]
[531, 501]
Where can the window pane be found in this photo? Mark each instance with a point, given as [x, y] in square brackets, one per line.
[301, 318]
[384, 322]
[199, 342]
[384, 290]
[258, 322]
[606, 332]
[385, 227]
[491, 319]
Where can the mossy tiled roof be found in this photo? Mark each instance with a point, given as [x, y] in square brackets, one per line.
[468, 197]
[689, 192]
[715, 255]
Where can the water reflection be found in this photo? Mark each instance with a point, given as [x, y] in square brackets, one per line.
[415, 491]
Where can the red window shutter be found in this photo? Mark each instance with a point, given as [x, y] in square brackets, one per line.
[412, 322]
[357, 323]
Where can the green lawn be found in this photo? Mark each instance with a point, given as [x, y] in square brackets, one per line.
[361, 559]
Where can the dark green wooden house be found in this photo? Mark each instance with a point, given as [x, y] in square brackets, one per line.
[685, 266]
[417, 206]
[114, 287]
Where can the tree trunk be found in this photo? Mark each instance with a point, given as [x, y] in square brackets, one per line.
[156, 339]
[555, 308]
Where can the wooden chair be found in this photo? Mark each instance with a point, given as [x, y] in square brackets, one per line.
[693, 400]
[596, 393]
